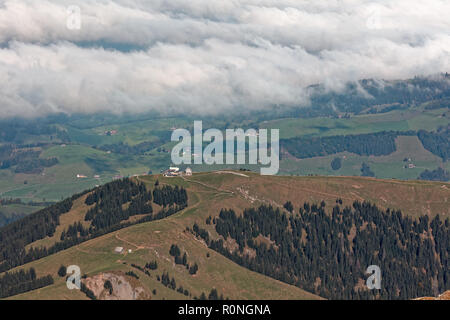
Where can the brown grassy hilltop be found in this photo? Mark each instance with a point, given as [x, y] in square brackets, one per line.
[208, 193]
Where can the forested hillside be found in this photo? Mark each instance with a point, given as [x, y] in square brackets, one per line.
[24, 159]
[437, 142]
[328, 253]
[6, 219]
[22, 281]
[316, 235]
[373, 144]
[376, 144]
[368, 93]
[110, 205]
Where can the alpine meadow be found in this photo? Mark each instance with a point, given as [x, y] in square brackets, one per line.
[229, 157]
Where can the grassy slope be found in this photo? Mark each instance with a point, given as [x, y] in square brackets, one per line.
[412, 197]
[397, 120]
[390, 166]
[208, 193]
[60, 180]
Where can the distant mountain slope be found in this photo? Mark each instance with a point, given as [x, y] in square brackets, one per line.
[8, 218]
[51, 158]
[375, 96]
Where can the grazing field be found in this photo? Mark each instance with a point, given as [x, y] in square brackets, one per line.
[131, 133]
[390, 166]
[208, 193]
[61, 180]
[82, 154]
[398, 120]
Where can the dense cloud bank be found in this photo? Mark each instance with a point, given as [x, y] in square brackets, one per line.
[208, 56]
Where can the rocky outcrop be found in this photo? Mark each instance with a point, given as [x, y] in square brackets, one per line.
[123, 287]
[444, 296]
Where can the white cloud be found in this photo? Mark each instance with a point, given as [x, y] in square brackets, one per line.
[208, 56]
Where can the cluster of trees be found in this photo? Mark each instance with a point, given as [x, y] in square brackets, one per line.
[115, 202]
[25, 160]
[12, 156]
[193, 269]
[179, 259]
[109, 203]
[108, 200]
[336, 163]
[74, 231]
[377, 144]
[35, 165]
[107, 216]
[328, 253]
[12, 283]
[168, 282]
[209, 220]
[123, 190]
[152, 265]
[168, 195]
[437, 142]
[137, 149]
[438, 174]
[288, 206]
[174, 250]
[17, 130]
[16, 235]
[384, 109]
[213, 295]
[399, 93]
[438, 104]
[183, 291]
[365, 170]
[8, 218]
[172, 284]
[142, 269]
[108, 286]
[62, 271]
[132, 274]
[88, 292]
[200, 232]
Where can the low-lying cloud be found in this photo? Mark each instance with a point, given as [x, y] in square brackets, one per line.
[208, 56]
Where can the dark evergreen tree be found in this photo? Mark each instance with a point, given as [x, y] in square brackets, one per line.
[336, 163]
[289, 206]
[338, 246]
[62, 271]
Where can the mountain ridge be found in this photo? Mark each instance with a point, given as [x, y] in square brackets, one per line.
[208, 193]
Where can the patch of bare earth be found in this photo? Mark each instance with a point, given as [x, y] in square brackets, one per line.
[123, 287]
[443, 296]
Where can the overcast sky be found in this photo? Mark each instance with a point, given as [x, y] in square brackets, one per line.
[207, 56]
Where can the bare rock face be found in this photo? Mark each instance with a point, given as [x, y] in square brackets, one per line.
[444, 296]
[123, 287]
